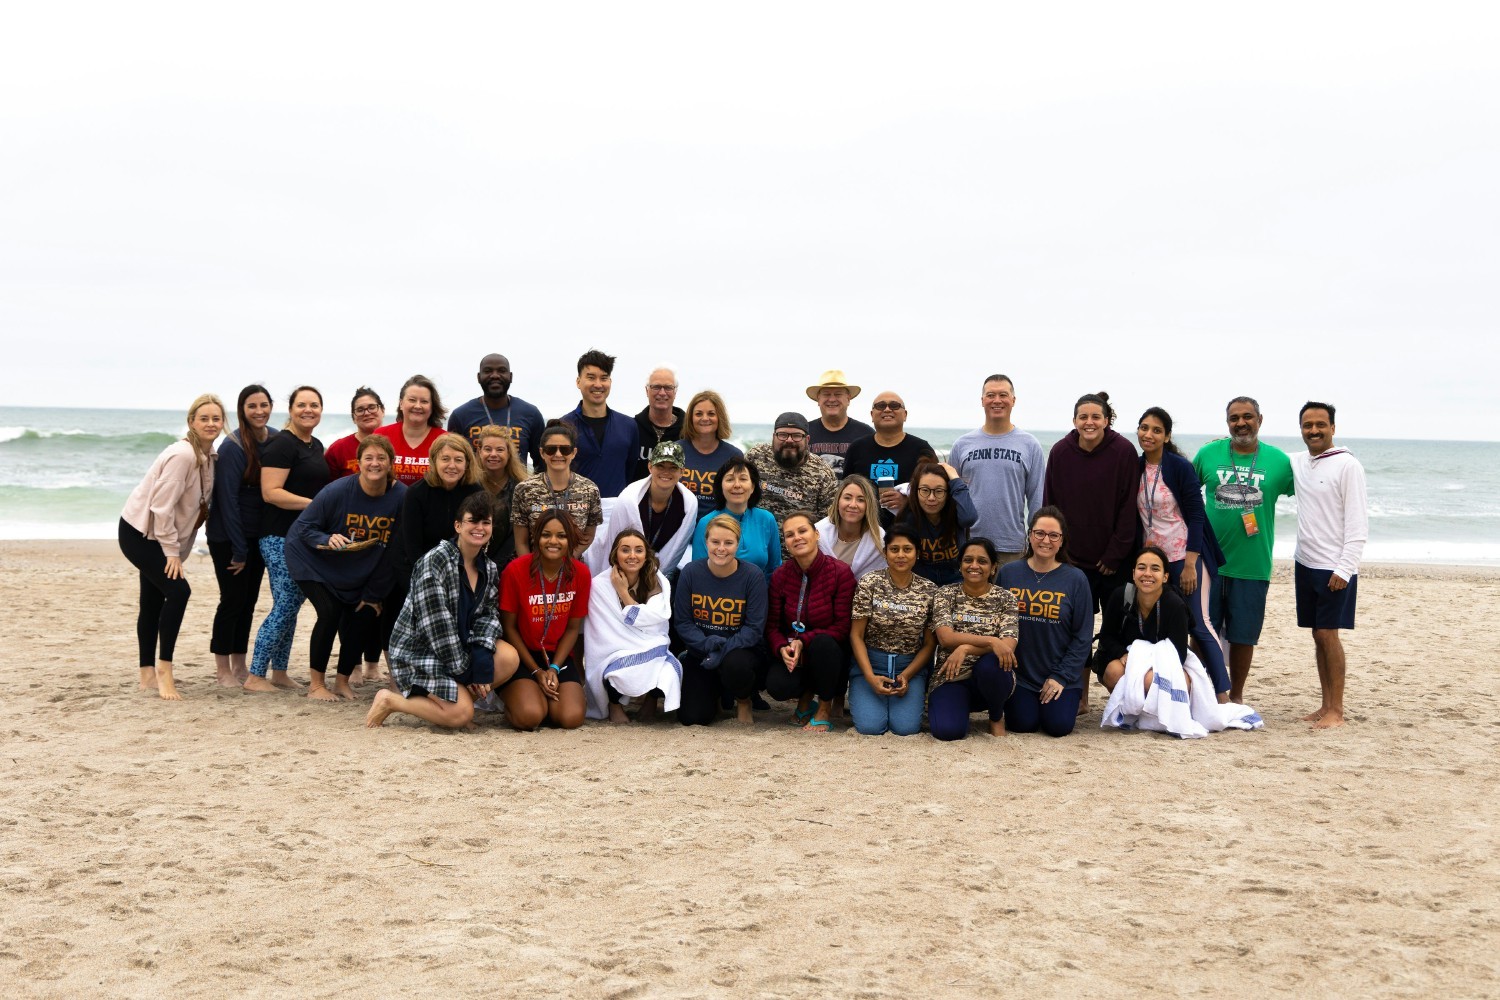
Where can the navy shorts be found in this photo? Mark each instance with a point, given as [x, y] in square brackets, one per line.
[1238, 608]
[1319, 607]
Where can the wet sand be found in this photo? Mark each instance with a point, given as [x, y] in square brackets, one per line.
[267, 845]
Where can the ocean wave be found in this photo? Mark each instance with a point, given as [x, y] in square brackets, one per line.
[29, 438]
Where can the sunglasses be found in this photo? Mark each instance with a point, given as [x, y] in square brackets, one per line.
[557, 449]
[887, 404]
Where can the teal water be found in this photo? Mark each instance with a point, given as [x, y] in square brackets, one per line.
[67, 472]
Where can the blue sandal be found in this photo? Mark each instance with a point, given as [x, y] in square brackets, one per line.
[801, 718]
[818, 726]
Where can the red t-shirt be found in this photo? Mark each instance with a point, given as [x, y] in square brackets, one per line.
[341, 457]
[536, 604]
[411, 463]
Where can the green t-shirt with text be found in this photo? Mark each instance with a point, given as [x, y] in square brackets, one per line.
[1233, 484]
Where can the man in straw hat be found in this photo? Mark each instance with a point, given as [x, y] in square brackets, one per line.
[832, 432]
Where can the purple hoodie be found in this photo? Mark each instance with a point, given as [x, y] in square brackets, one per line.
[1097, 493]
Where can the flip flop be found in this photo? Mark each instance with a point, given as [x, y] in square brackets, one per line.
[799, 717]
[818, 726]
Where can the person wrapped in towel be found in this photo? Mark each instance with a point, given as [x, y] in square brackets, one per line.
[626, 645]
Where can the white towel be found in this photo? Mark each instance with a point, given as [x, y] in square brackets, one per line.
[625, 512]
[628, 645]
[1169, 707]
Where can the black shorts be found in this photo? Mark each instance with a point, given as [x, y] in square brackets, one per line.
[569, 674]
[1319, 607]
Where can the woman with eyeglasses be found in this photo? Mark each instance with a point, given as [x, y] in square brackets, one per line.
[940, 512]
[1055, 607]
[368, 413]
[557, 487]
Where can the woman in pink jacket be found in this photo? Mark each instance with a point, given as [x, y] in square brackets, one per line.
[157, 529]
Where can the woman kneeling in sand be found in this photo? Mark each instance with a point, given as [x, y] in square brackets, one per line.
[446, 648]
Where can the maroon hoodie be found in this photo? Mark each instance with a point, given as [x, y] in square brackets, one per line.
[1097, 493]
[827, 609]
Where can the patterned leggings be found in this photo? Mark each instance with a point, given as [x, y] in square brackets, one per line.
[273, 642]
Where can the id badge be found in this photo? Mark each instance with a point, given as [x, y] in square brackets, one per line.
[1252, 528]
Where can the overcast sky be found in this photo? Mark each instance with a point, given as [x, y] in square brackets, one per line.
[1174, 202]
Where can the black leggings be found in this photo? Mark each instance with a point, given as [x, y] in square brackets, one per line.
[739, 674]
[337, 617]
[163, 601]
[238, 593]
[824, 671]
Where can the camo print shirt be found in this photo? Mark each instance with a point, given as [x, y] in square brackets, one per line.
[810, 487]
[897, 620]
[994, 614]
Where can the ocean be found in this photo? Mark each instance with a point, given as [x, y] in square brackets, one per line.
[66, 473]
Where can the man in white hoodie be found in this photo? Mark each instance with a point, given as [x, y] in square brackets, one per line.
[1332, 526]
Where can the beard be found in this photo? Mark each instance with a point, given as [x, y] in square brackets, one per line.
[789, 456]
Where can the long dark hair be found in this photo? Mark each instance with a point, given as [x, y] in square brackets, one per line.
[569, 528]
[948, 527]
[247, 439]
[1166, 423]
[645, 584]
[1062, 525]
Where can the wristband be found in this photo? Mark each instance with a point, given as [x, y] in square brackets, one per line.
[555, 667]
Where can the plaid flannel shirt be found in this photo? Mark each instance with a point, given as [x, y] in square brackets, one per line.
[425, 646]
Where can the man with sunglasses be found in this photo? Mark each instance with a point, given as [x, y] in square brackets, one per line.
[889, 456]
[792, 479]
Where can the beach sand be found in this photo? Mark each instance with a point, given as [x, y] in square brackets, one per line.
[266, 845]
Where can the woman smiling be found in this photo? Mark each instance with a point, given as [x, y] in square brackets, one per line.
[626, 634]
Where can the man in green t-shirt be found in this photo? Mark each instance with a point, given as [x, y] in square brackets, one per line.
[1242, 480]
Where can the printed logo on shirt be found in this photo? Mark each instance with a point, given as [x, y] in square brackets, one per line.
[791, 494]
[1038, 605]
[1238, 491]
[971, 618]
[933, 550]
[720, 612]
[514, 432]
[701, 483]
[896, 607]
[885, 469]
[994, 454]
[358, 527]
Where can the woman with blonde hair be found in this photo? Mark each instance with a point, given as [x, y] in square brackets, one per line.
[705, 445]
[851, 531]
[429, 513]
[500, 469]
[157, 529]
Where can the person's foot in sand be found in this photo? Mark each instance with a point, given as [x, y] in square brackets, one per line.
[317, 689]
[342, 689]
[280, 679]
[385, 703]
[1315, 716]
[224, 671]
[165, 686]
[997, 728]
[1330, 719]
[617, 715]
[744, 712]
[259, 685]
[371, 671]
[148, 678]
[649, 711]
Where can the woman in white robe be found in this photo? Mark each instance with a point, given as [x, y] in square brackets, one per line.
[626, 643]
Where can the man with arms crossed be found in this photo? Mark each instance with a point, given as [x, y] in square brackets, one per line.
[1332, 526]
[1242, 478]
[1004, 468]
[497, 406]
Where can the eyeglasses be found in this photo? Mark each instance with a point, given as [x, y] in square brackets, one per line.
[932, 491]
[360, 411]
[790, 436]
[1046, 536]
[887, 404]
[557, 449]
[660, 387]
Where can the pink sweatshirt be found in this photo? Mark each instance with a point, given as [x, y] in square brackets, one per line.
[166, 505]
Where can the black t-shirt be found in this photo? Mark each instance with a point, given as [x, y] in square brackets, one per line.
[307, 473]
[867, 457]
[830, 446]
[659, 528]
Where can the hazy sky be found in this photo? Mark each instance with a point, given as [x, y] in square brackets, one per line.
[1174, 202]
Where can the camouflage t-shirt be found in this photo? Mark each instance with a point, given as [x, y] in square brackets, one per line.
[994, 615]
[810, 487]
[898, 620]
[580, 498]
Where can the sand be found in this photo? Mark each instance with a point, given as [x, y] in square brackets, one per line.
[266, 845]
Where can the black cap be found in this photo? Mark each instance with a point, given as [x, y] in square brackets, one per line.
[791, 419]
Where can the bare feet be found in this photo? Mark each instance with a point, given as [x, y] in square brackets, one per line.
[225, 677]
[257, 684]
[281, 680]
[997, 728]
[148, 678]
[342, 690]
[744, 712]
[648, 712]
[1314, 716]
[1331, 719]
[372, 670]
[318, 690]
[237, 664]
[380, 710]
[617, 716]
[165, 685]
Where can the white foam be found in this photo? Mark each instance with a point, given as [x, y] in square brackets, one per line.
[11, 433]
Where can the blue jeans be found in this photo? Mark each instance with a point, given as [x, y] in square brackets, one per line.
[875, 714]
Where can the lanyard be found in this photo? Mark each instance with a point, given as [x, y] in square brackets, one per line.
[491, 417]
[798, 625]
[1140, 623]
[1244, 477]
[567, 495]
[549, 604]
[1151, 496]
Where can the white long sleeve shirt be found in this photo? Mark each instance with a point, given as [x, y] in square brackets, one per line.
[1332, 521]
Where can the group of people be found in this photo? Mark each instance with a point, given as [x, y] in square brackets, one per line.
[567, 568]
